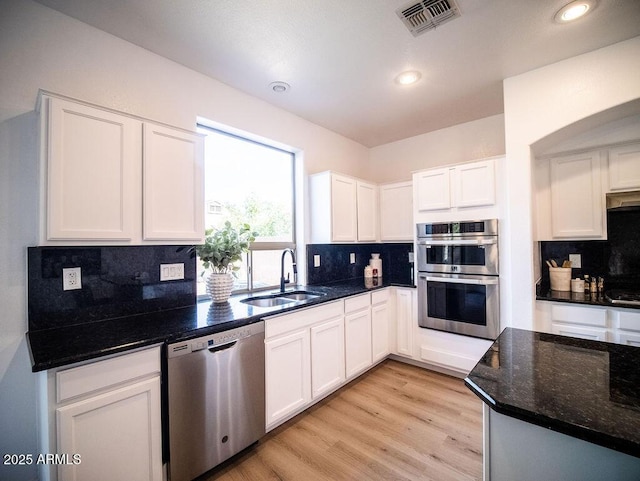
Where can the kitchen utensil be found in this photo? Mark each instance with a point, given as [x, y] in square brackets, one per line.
[549, 263]
[554, 263]
[560, 278]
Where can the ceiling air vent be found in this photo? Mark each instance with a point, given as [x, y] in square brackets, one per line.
[427, 14]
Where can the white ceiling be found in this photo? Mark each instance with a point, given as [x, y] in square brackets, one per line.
[341, 56]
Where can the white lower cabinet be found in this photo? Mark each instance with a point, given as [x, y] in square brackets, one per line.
[627, 326]
[288, 375]
[598, 323]
[357, 334]
[404, 322]
[115, 435]
[327, 357]
[379, 324]
[578, 321]
[309, 353]
[304, 359]
[105, 417]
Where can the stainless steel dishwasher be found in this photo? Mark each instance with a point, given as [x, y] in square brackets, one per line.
[215, 398]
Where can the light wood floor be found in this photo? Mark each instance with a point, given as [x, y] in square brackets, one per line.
[395, 422]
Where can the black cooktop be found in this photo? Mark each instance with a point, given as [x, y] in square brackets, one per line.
[623, 297]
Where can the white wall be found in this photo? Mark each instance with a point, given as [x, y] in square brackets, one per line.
[472, 140]
[537, 104]
[40, 48]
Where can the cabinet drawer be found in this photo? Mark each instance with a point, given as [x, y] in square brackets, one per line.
[378, 297]
[99, 375]
[277, 325]
[628, 320]
[590, 316]
[356, 303]
[593, 333]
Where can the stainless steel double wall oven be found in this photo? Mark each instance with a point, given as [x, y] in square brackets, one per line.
[458, 283]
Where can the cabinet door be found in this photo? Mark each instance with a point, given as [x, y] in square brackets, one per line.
[367, 211]
[380, 331]
[117, 435]
[396, 212]
[475, 184]
[357, 327]
[404, 320]
[93, 157]
[576, 196]
[624, 167]
[173, 195]
[327, 356]
[287, 375]
[433, 189]
[344, 220]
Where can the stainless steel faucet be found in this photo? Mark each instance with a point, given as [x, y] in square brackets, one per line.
[284, 281]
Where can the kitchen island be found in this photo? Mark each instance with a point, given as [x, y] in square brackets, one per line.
[558, 407]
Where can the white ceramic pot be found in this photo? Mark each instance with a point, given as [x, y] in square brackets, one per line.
[219, 287]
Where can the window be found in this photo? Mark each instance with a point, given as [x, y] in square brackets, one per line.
[251, 182]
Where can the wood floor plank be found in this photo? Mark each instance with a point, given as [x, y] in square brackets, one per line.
[396, 422]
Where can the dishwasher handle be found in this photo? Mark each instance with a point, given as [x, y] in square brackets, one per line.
[222, 347]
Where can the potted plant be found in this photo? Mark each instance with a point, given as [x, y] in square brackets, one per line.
[221, 249]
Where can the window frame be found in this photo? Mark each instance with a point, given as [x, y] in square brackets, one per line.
[203, 125]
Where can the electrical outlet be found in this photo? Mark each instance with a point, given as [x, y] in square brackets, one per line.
[576, 260]
[352, 258]
[410, 257]
[71, 278]
[316, 260]
[171, 272]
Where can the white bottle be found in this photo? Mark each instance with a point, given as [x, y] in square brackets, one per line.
[376, 264]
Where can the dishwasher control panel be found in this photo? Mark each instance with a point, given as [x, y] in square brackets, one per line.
[213, 340]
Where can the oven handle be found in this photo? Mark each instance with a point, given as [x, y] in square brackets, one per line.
[457, 280]
[460, 242]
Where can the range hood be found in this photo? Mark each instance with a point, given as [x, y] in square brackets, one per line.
[623, 200]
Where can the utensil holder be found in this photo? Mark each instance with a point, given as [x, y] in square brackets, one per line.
[560, 278]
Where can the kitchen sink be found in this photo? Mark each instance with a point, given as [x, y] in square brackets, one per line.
[267, 301]
[280, 299]
[301, 295]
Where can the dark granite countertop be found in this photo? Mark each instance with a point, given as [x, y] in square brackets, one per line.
[586, 389]
[544, 293]
[57, 347]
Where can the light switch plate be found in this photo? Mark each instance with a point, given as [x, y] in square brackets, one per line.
[316, 260]
[171, 272]
[576, 260]
[352, 258]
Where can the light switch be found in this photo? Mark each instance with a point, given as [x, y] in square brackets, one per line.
[316, 260]
[352, 258]
[171, 272]
[576, 260]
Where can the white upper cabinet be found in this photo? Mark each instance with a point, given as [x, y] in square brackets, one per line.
[624, 167]
[576, 196]
[92, 156]
[173, 193]
[460, 189]
[106, 182]
[343, 209]
[433, 191]
[475, 184]
[396, 212]
[367, 207]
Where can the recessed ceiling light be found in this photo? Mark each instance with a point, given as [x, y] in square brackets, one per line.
[574, 10]
[409, 77]
[279, 87]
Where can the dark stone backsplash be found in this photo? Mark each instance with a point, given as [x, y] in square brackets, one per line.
[617, 259]
[116, 282]
[335, 263]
